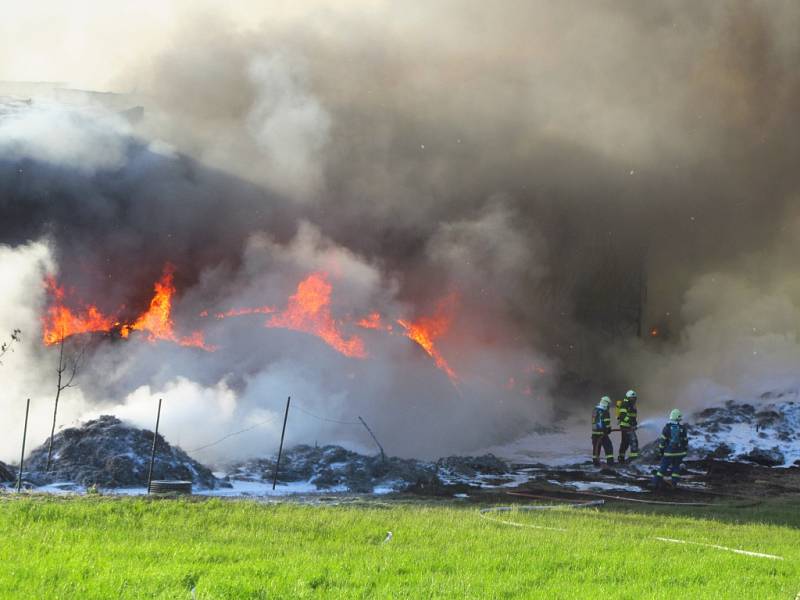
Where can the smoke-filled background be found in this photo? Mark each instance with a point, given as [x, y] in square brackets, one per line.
[601, 196]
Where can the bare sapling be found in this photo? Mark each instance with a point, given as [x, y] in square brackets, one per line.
[68, 366]
[8, 346]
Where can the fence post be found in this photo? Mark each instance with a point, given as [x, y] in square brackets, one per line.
[22, 453]
[153, 452]
[280, 448]
[364, 423]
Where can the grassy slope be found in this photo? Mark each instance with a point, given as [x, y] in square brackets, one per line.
[135, 548]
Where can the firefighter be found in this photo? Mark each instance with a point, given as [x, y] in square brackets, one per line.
[627, 419]
[601, 427]
[672, 447]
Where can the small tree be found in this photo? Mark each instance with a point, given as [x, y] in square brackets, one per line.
[16, 337]
[68, 366]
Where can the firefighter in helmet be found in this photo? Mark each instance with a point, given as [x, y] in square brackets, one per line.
[627, 419]
[672, 447]
[601, 427]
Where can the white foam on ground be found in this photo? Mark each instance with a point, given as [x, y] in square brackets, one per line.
[599, 486]
[569, 446]
[742, 436]
[238, 489]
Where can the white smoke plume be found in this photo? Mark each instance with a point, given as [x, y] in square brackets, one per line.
[568, 176]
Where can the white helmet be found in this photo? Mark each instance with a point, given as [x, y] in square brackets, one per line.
[631, 395]
[675, 415]
[605, 401]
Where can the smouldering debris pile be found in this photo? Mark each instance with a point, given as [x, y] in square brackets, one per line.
[766, 433]
[334, 468]
[109, 453]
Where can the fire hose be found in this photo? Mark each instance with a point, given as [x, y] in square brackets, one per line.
[482, 513]
[748, 504]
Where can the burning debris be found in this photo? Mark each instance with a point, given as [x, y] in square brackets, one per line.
[426, 330]
[108, 453]
[61, 322]
[308, 310]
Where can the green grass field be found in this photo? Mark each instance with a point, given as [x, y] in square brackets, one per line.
[139, 548]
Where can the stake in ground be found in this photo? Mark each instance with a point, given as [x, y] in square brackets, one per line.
[133, 548]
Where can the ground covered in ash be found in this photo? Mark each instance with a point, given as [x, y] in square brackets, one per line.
[733, 447]
[766, 433]
[108, 453]
[334, 468]
[7, 473]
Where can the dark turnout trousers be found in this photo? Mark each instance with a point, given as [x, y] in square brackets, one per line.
[602, 440]
[629, 441]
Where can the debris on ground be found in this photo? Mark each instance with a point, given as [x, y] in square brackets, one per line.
[765, 434]
[337, 469]
[109, 453]
[7, 473]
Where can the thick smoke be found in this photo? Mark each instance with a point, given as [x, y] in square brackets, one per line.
[578, 176]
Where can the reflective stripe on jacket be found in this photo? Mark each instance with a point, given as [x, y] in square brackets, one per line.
[627, 415]
[674, 439]
[601, 421]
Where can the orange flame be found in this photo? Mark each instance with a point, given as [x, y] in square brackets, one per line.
[61, 322]
[426, 330]
[309, 311]
[157, 320]
[373, 321]
[239, 312]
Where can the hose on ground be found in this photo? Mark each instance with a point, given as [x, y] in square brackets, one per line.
[483, 513]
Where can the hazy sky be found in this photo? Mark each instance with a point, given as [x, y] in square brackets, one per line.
[88, 43]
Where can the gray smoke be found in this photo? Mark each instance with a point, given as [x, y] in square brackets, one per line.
[578, 174]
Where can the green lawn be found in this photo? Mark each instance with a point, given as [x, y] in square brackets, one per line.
[139, 548]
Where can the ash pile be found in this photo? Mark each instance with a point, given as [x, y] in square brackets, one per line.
[109, 453]
[336, 469]
[765, 434]
[7, 473]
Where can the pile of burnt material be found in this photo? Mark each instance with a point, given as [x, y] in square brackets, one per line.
[109, 453]
[334, 468]
[765, 433]
[7, 473]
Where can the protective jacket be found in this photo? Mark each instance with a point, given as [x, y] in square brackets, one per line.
[627, 414]
[674, 439]
[601, 421]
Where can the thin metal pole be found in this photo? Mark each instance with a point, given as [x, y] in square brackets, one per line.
[22, 454]
[364, 423]
[280, 448]
[153, 452]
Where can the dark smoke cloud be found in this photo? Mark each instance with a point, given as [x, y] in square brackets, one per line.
[552, 162]
[632, 137]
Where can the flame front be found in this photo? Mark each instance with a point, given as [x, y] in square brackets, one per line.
[157, 320]
[426, 330]
[240, 312]
[308, 310]
[373, 321]
[61, 322]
